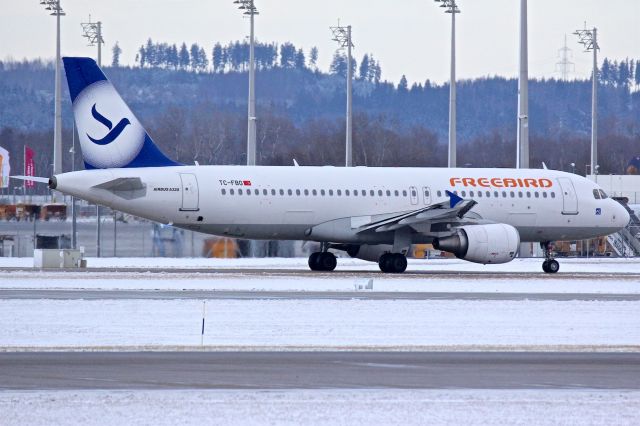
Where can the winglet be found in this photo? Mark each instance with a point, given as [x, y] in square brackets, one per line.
[544, 166]
[454, 200]
[295, 163]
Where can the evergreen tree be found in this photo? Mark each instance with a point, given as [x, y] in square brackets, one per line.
[338, 65]
[637, 74]
[287, 55]
[203, 62]
[173, 58]
[150, 54]
[183, 57]
[195, 56]
[116, 51]
[216, 58]
[142, 56]
[623, 73]
[403, 85]
[313, 58]
[364, 67]
[300, 60]
[605, 72]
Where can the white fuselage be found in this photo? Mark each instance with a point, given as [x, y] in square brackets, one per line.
[286, 202]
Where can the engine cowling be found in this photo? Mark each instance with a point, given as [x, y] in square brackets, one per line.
[494, 243]
[369, 252]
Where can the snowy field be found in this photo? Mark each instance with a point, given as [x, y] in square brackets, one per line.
[612, 276]
[312, 324]
[321, 407]
[568, 265]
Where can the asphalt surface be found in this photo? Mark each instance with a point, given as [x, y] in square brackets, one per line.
[38, 294]
[318, 370]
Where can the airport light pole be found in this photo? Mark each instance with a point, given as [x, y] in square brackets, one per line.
[342, 35]
[54, 7]
[451, 7]
[589, 39]
[92, 31]
[522, 160]
[249, 9]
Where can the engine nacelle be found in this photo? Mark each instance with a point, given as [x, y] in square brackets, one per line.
[494, 243]
[368, 252]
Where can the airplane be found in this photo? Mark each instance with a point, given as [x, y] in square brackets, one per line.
[372, 213]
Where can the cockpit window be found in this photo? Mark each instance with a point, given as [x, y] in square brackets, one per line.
[603, 195]
[596, 194]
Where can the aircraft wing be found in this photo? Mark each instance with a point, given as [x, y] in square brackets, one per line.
[450, 211]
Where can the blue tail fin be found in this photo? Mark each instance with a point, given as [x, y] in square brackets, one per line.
[110, 135]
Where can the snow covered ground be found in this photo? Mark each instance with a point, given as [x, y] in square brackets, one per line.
[571, 265]
[321, 407]
[320, 324]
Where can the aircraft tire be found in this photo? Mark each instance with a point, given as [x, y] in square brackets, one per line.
[313, 261]
[545, 266]
[394, 263]
[326, 261]
[553, 266]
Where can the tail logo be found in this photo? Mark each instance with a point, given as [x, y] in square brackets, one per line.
[114, 132]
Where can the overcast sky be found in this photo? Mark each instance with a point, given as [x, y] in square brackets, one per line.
[407, 36]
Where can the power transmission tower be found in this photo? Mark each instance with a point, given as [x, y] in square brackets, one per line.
[564, 66]
[92, 31]
[343, 36]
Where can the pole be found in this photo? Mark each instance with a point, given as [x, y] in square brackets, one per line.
[99, 43]
[251, 134]
[452, 94]
[594, 106]
[522, 161]
[57, 131]
[74, 214]
[115, 231]
[349, 141]
[98, 230]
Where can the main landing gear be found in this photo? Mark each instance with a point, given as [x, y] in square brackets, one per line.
[394, 263]
[550, 265]
[322, 260]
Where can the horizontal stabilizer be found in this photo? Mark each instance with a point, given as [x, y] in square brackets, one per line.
[33, 178]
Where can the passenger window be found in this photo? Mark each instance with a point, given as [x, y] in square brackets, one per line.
[537, 194]
[264, 192]
[388, 193]
[488, 194]
[224, 191]
[470, 193]
[346, 192]
[339, 191]
[372, 192]
[528, 194]
[544, 195]
[331, 192]
[363, 193]
[414, 193]
[322, 192]
[239, 191]
[504, 194]
[404, 193]
[464, 193]
[513, 194]
[231, 191]
[314, 192]
[306, 192]
[479, 194]
[439, 193]
[297, 192]
[248, 192]
[496, 194]
[553, 195]
[282, 192]
[519, 194]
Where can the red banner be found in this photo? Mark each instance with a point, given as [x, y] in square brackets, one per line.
[29, 167]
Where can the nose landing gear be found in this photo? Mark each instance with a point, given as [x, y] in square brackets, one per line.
[550, 265]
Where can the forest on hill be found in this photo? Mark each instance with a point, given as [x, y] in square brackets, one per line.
[193, 102]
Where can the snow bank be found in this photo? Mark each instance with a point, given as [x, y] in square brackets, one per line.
[246, 324]
[320, 407]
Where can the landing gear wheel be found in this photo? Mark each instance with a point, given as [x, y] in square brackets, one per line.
[552, 266]
[394, 263]
[313, 261]
[322, 261]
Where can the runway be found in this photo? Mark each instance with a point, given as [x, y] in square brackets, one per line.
[29, 294]
[318, 370]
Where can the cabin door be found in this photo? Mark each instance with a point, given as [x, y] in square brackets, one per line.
[569, 197]
[190, 195]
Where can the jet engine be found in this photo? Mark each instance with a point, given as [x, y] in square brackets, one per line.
[368, 252]
[494, 243]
